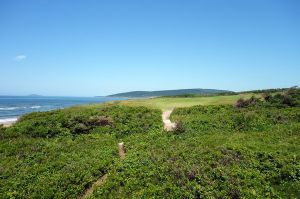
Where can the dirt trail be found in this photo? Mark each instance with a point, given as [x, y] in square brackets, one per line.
[90, 190]
[168, 125]
[122, 150]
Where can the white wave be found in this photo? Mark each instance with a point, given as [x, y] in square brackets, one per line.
[9, 108]
[35, 107]
[18, 107]
[8, 120]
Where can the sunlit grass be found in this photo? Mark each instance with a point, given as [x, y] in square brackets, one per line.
[166, 103]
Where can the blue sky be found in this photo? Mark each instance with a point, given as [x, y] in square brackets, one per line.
[93, 47]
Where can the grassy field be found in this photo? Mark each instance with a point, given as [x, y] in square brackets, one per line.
[167, 103]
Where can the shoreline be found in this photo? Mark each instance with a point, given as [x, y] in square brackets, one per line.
[8, 122]
[11, 112]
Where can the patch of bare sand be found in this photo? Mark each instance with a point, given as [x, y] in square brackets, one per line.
[168, 125]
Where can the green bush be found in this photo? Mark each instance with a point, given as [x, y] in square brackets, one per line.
[242, 103]
[290, 98]
[119, 120]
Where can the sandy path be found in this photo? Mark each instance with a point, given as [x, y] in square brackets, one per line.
[122, 150]
[90, 190]
[168, 125]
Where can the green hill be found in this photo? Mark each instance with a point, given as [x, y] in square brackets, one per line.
[168, 92]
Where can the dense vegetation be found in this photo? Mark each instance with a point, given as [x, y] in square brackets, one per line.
[53, 168]
[224, 152]
[218, 151]
[117, 120]
[58, 154]
[273, 90]
[288, 98]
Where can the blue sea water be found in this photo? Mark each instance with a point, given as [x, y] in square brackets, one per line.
[11, 107]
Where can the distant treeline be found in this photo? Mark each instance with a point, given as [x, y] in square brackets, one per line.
[263, 91]
[193, 93]
[203, 95]
[180, 92]
[273, 90]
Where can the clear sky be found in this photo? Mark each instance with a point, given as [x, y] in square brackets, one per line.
[95, 47]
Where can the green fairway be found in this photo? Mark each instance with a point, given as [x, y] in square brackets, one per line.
[166, 103]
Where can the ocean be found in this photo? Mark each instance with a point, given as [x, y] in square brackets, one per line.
[12, 107]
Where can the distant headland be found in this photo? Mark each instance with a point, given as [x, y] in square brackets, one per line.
[168, 92]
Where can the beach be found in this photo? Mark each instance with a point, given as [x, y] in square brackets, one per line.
[8, 121]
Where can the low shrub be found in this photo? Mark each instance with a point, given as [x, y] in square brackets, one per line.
[120, 120]
[179, 128]
[242, 103]
[60, 167]
[290, 98]
[267, 96]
